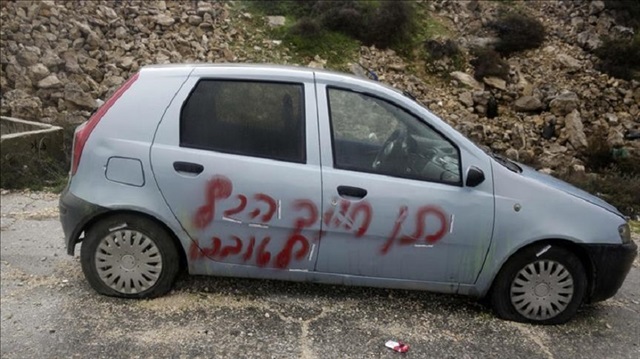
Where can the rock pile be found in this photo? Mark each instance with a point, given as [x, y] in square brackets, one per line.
[61, 59]
[555, 100]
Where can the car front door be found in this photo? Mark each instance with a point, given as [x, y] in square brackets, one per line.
[235, 157]
[393, 191]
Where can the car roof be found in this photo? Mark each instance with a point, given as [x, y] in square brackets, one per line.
[299, 69]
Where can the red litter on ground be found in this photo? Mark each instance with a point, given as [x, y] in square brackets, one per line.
[400, 347]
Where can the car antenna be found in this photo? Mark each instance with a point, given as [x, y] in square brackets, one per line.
[372, 75]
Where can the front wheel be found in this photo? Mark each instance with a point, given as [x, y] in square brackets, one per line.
[542, 284]
[129, 256]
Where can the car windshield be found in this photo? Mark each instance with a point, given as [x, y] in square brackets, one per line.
[512, 166]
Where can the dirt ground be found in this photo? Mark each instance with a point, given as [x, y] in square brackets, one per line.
[49, 311]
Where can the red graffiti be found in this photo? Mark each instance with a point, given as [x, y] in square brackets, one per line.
[233, 211]
[213, 250]
[194, 250]
[402, 215]
[344, 207]
[308, 221]
[263, 256]
[430, 225]
[348, 215]
[247, 255]
[421, 217]
[326, 217]
[261, 197]
[232, 249]
[284, 257]
[364, 210]
[219, 187]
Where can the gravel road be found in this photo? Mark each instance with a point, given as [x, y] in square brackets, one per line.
[49, 311]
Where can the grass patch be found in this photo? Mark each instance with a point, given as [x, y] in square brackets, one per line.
[426, 27]
[635, 226]
[336, 48]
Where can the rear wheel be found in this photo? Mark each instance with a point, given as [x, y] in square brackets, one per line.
[129, 256]
[543, 284]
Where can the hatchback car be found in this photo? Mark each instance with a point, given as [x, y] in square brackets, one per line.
[306, 175]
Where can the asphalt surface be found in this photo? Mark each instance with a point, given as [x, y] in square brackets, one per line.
[49, 311]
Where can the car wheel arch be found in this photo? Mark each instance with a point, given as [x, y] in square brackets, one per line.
[105, 215]
[571, 246]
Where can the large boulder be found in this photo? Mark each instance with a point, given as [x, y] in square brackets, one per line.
[50, 81]
[467, 80]
[73, 93]
[575, 130]
[23, 106]
[37, 72]
[28, 56]
[164, 20]
[528, 104]
[495, 82]
[564, 103]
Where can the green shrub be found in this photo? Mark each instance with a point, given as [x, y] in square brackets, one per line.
[306, 27]
[24, 170]
[517, 32]
[618, 181]
[627, 12]
[488, 63]
[382, 24]
[620, 58]
[391, 23]
[438, 50]
[598, 156]
[347, 19]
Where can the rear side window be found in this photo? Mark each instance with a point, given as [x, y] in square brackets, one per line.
[259, 119]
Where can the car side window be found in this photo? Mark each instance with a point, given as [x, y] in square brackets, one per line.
[373, 135]
[259, 119]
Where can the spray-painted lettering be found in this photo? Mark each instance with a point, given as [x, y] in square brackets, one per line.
[431, 235]
[430, 225]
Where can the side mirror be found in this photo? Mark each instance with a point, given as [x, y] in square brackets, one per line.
[475, 176]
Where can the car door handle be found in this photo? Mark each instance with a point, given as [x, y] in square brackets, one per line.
[354, 192]
[188, 167]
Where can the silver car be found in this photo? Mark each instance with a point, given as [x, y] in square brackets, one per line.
[306, 175]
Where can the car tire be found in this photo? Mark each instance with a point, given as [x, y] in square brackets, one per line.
[542, 284]
[129, 256]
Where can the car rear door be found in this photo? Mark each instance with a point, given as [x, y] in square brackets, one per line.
[236, 159]
[387, 219]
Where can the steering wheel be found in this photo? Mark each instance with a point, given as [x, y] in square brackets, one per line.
[389, 158]
[437, 167]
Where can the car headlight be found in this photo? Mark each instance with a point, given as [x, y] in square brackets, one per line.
[625, 233]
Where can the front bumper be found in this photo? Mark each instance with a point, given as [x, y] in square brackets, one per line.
[75, 214]
[611, 264]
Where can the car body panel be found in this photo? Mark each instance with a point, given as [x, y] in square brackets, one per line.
[546, 213]
[154, 86]
[253, 225]
[460, 217]
[567, 188]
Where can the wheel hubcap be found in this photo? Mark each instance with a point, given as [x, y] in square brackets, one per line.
[542, 290]
[128, 261]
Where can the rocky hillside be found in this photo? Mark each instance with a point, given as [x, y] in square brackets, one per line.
[61, 59]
